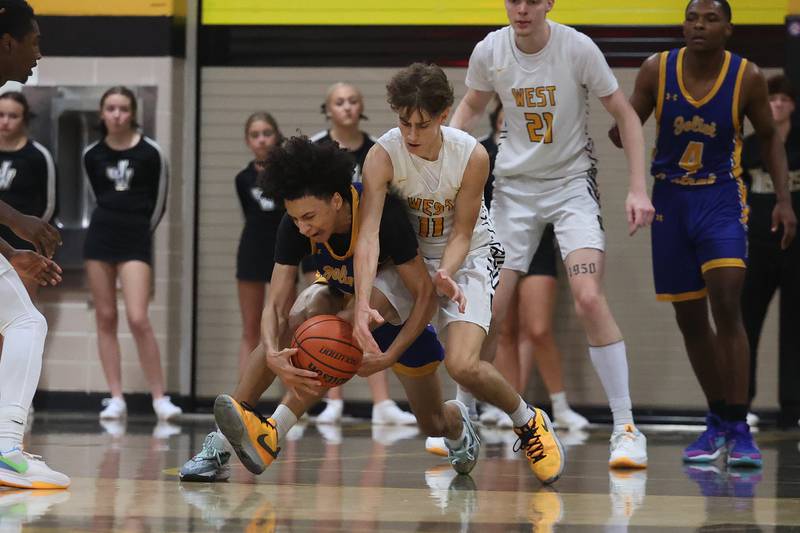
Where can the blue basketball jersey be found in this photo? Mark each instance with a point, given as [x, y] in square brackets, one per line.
[699, 141]
[337, 270]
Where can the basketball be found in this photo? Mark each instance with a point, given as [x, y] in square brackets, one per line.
[325, 345]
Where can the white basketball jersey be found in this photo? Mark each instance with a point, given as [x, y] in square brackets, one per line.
[5, 266]
[545, 100]
[430, 189]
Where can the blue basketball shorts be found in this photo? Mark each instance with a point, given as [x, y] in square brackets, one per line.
[421, 358]
[696, 229]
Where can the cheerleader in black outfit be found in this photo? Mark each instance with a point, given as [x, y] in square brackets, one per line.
[344, 108]
[128, 175]
[27, 172]
[255, 258]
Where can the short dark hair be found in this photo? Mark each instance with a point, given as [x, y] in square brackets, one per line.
[420, 87]
[723, 5]
[16, 18]
[780, 84]
[127, 93]
[299, 168]
[19, 98]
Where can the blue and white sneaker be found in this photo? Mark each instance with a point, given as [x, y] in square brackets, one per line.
[742, 450]
[464, 458]
[211, 464]
[709, 444]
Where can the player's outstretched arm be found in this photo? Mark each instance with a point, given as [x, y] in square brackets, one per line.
[757, 109]
[415, 277]
[638, 208]
[376, 175]
[467, 208]
[34, 230]
[275, 330]
[470, 109]
[645, 92]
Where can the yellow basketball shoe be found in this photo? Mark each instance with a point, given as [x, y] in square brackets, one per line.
[540, 443]
[253, 437]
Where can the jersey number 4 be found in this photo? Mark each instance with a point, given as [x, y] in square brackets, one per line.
[538, 122]
[692, 158]
[431, 227]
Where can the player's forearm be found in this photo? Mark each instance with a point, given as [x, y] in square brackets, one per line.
[630, 129]
[773, 152]
[465, 117]
[8, 215]
[6, 249]
[455, 252]
[365, 264]
[274, 326]
[424, 307]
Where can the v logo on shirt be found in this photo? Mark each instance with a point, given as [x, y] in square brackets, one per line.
[7, 175]
[121, 175]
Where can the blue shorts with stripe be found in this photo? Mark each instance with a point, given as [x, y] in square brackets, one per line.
[696, 229]
[421, 358]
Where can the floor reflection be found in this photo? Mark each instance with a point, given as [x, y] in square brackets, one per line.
[359, 477]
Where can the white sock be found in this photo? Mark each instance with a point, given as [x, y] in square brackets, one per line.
[466, 397]
[455, 444]
[336, 404]
[21, 360]
[559, 403]
[284, 420]
[521, 414]
[12, 426]
[611, 364]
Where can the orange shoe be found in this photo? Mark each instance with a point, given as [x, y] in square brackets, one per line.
[541, 445]
[253, 437]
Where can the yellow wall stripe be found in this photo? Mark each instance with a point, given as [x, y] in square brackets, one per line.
[144, 8]
[468, 12]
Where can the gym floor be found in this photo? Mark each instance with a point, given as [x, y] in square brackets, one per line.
[359, 477]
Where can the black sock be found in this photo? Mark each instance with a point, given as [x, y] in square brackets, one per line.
[718, 408]
[736, 413]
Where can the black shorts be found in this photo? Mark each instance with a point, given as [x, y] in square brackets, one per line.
[118, 237]
[544, 260]
[11, 238]
[255, 259]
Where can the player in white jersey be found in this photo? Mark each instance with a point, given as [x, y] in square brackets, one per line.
[441, 173]
[22, 326]
[544, 73]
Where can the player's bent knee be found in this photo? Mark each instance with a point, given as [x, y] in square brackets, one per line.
[465, 373]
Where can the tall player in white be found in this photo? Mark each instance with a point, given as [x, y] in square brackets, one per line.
[441, 173]
[545, 173]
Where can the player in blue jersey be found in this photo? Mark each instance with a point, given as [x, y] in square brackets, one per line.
[313, 181]
[701, 94]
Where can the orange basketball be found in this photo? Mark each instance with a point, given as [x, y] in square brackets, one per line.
[325, 345]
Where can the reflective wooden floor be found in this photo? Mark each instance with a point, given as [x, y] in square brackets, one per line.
[363, 478]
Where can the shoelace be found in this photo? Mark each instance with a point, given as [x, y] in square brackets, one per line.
[628, 435]
[531, 441]
[264, 420]
[209, 451]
